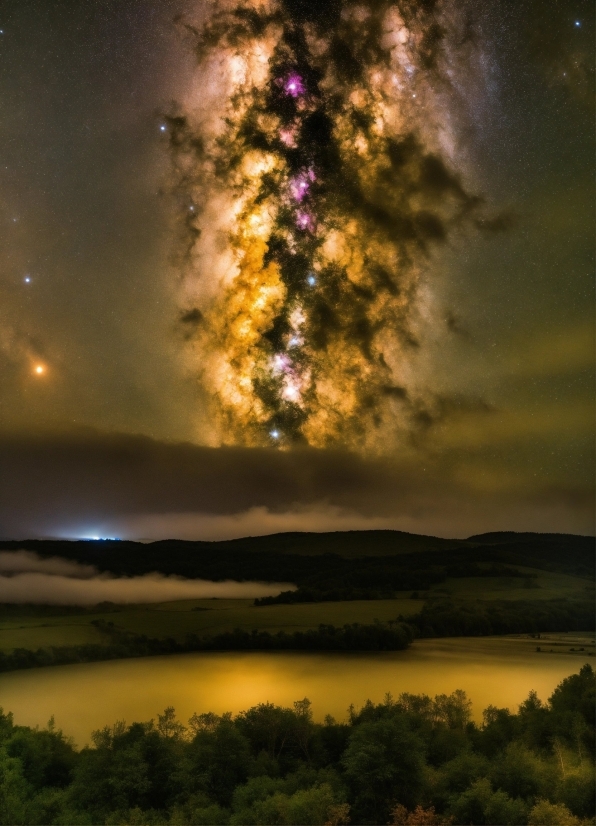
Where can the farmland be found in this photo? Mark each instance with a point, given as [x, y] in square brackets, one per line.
[32, 628]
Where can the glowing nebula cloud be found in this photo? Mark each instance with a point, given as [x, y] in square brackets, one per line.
[316, 167]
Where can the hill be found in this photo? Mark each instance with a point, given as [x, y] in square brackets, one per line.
[356, 559]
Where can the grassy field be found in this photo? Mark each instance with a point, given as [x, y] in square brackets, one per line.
[208, 617]
[538, 585]
[202, 617]
[59, 632]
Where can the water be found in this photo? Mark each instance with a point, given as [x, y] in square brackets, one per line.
[498, 671]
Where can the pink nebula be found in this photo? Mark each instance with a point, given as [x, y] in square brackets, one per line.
[300, 185]
[305, 220]
[288, 137]
[294, 85]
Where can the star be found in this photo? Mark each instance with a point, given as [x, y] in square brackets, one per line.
[40, 369]
[578, 23]
[27, 279]
[274, 434]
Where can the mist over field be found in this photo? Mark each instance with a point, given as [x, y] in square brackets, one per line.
[27, 578]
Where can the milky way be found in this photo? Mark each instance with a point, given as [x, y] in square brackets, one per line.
[317, 168]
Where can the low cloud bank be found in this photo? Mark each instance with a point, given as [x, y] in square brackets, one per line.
[87, 483]
[26, 577]
[22, 562]
[434, 519]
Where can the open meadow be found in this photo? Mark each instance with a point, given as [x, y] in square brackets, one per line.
[204, 617]
[36, 627]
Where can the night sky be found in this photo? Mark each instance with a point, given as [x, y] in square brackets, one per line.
[437, 374]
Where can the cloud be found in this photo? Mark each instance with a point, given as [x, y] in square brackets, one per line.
[87, 483]
[20, 562]
[27, 578]
[257, 521]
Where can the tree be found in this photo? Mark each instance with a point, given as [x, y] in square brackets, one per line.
[499, 727]
[516, 771]
[453, 710]
[47, 757]
[168, 726]
[267, 727]
[535, 722]
[303, 726]
[384, 761]
[218, 761]
[15, 792]
[312, 806]
[419, 817]
[545, 813]
[573, 704]
[458, 774]
[108, 779]
[480, 805]
[576, 790]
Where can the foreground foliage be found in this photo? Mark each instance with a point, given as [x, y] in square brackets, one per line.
[414, 761]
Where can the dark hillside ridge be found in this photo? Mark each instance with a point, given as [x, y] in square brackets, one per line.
[343, 543]
[347, 544]
[379, 560]
[500, 537]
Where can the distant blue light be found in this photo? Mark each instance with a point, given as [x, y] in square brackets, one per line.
[162, 128]
[578, 23]
[311, 280]
[274, 434]
[27, 279]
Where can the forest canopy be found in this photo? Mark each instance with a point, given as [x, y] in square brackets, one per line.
[413, 760]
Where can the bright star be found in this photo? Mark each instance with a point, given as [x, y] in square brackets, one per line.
[163, 128]
[311, 280]
[274, 434]
[40, 369]
[27, 280]
[578, 23]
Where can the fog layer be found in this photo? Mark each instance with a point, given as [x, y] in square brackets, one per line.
[27, 578]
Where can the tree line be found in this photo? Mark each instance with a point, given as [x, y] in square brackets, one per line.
[417, 579]
[410, 761]
[436, 619]
[122, 644]
[444, 618]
